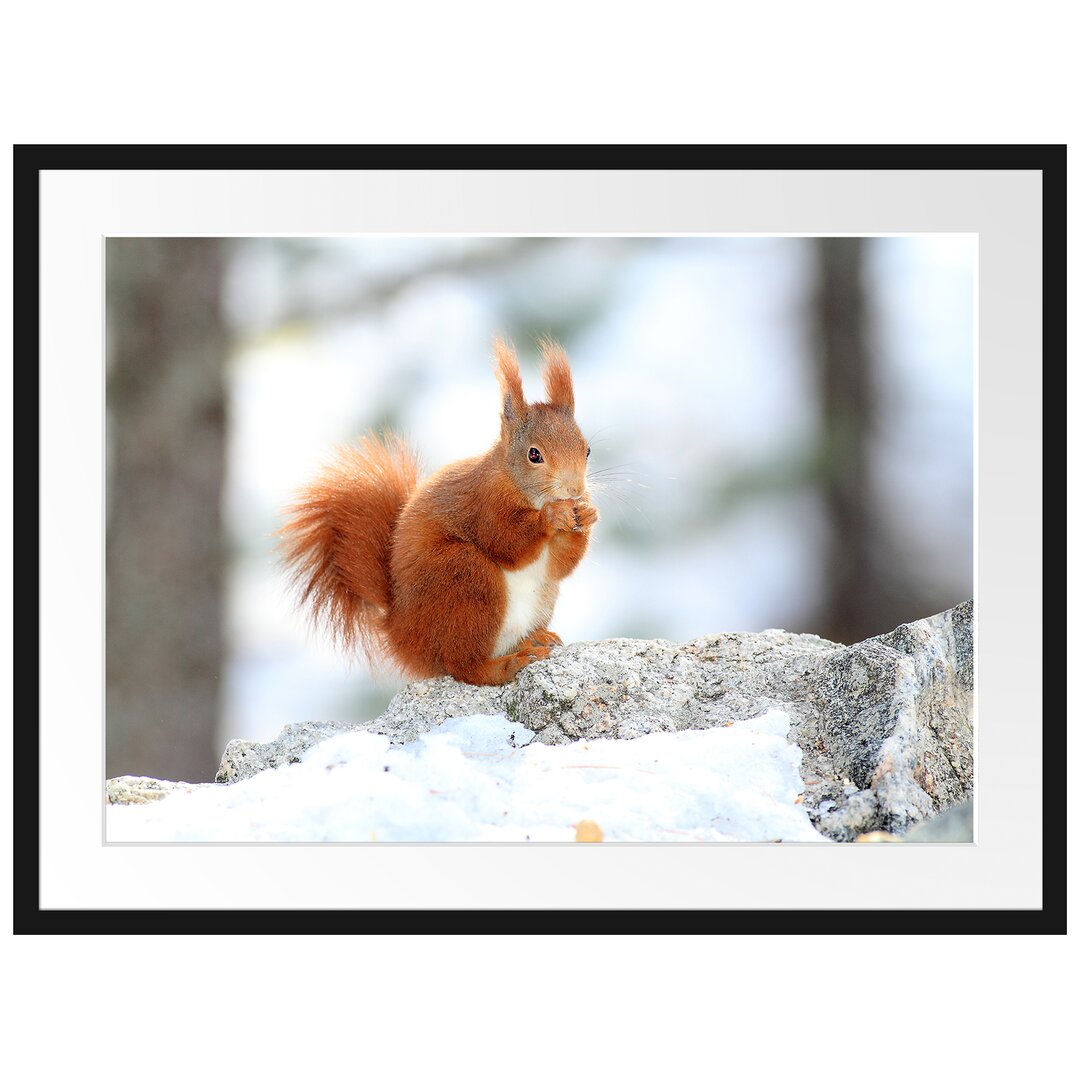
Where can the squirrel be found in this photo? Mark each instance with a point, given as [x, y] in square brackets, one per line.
[456, 575]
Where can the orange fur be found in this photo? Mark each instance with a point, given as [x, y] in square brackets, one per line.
[418, 573]
[557, 378]
[336, 542]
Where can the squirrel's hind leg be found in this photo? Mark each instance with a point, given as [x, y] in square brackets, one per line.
[500, 669]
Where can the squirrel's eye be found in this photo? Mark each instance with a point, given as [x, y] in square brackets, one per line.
[535, 456]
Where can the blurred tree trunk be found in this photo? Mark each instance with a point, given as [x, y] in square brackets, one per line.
[852, 603]
[166, 341]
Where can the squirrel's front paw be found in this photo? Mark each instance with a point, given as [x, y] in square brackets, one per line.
[585, 515]
[561, 516]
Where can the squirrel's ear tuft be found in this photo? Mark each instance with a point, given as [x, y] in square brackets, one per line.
[509, 376]
[557, 378]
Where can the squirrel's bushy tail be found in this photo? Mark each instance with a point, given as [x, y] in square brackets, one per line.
[336, 539]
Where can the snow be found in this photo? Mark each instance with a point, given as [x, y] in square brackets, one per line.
[481, 778]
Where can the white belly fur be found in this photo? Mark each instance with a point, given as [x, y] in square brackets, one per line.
[524, 603]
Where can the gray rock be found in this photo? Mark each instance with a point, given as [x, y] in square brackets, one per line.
[243, 758]
[885, 726]
[953, 826]
[895, 718]
[141, 789]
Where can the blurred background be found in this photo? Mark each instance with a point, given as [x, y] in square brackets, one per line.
[781, 432]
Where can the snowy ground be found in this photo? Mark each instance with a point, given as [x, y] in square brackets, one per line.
[476, 778]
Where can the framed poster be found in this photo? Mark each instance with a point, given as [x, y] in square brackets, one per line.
[996, 200]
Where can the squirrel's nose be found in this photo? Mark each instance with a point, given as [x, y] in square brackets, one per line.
[573, 485]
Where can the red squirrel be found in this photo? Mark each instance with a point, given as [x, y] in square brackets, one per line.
[456, 575]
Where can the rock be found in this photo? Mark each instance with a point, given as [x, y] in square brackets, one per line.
[243, 758]
[895, 718]
[953, 826]
[141, 789]
[884, 726]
